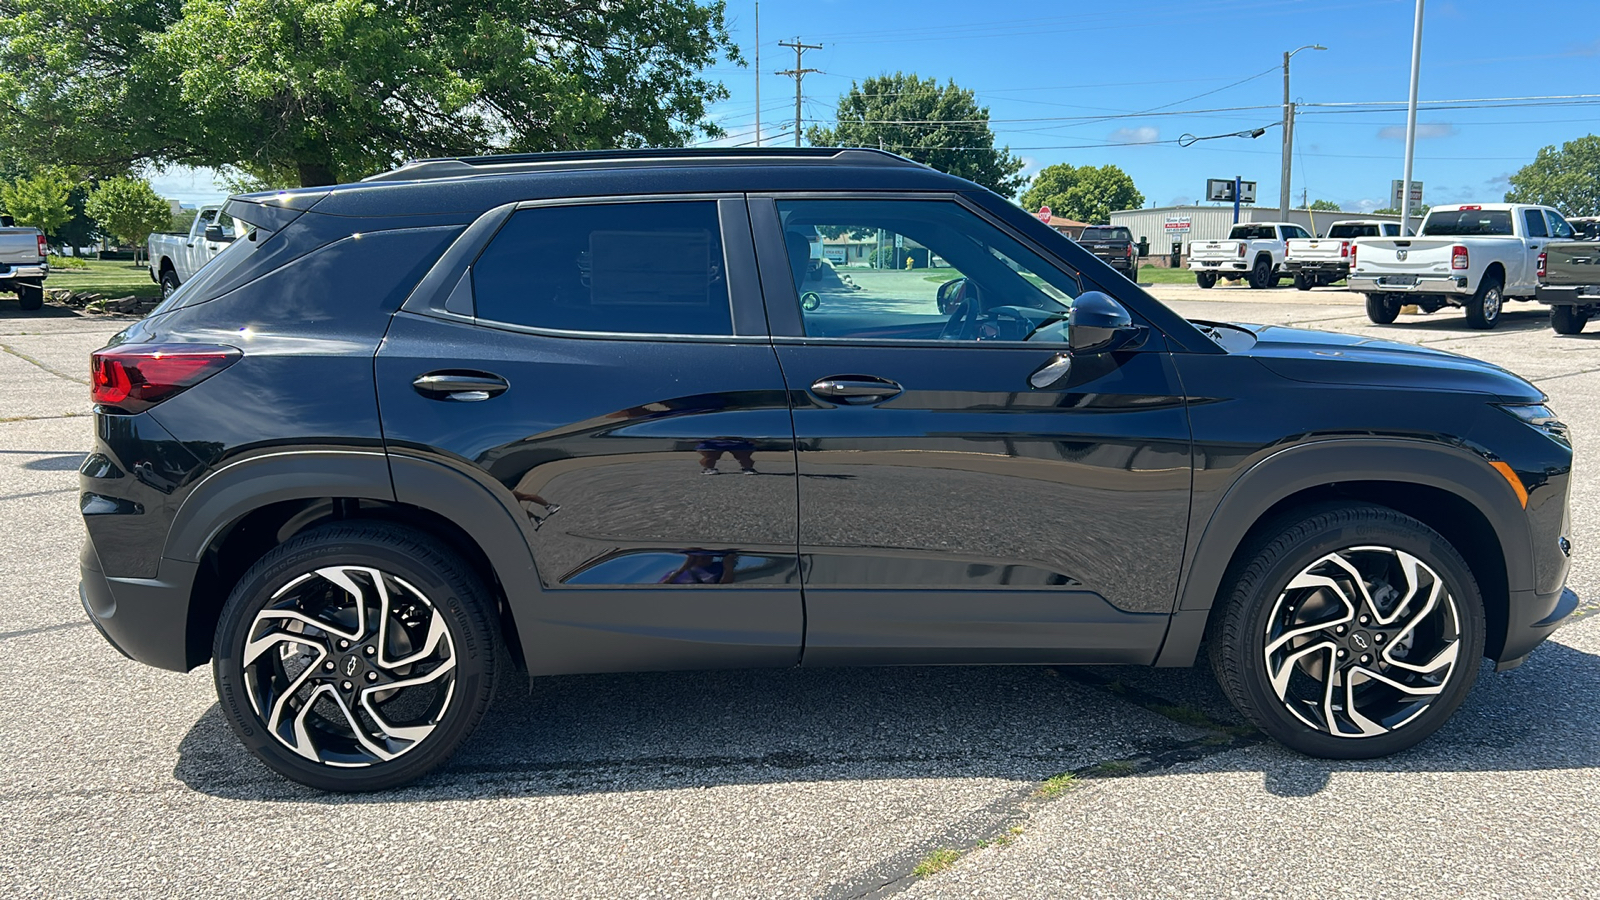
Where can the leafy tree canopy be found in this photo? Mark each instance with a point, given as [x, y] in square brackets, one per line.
[939, 126]
[1324, 206]
[1567, 179]
[1417, 212]
[317, 91]
[1085, 193]
[41, 200]
[128, 209]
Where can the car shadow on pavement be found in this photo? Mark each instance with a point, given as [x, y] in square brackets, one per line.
[48, 311]
[1511, 320]
[663, 731]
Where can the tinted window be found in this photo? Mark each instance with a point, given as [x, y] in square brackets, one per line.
[1107, 234]
[1253, 233]
[918, 270]
[1291, 232]
[1391, 230]
[199, 286]
[1534, 219]
[640, 268]
[1354, 231]
[1467, 223]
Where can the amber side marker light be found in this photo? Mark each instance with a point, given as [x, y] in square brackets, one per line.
[1504, 468]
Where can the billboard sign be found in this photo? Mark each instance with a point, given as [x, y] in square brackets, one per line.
[1221, 190]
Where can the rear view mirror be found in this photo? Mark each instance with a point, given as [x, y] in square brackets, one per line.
[1099, 324]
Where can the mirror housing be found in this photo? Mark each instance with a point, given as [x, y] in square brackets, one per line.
[215, 234]
[1099, 324]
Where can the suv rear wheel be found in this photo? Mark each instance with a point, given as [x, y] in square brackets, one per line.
[356, 657]
[1349, 632]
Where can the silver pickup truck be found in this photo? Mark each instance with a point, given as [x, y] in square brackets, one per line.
[24, 263]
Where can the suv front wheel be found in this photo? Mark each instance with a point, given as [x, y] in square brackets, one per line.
[356, 657]
[1350, 632]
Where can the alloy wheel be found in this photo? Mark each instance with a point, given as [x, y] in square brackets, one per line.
[1362, 641]
[349, 666]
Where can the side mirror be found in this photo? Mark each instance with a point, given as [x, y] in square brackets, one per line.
[7, 222]
[215, 234]
[1099, 324]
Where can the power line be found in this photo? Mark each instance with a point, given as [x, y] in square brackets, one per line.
[799, 72]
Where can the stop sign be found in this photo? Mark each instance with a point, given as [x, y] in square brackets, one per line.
[1044, 214]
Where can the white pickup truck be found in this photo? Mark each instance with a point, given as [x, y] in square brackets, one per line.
[1475, 256]
[1324, 260]
[1254, 250]
[24, 263]
[175, 256]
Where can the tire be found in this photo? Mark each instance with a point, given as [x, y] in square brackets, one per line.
[30, 297]
[1483, 307]
[436, 624]
[1284, 629]
[1568, 319]
[169, 282]
[1261, 276]
[1383, 309]
[1303, 282]
[1206, 280]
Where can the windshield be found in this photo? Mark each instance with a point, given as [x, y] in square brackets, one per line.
[1467, 222]
[1107, 234]
[1353, 231]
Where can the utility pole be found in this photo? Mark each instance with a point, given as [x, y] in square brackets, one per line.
[1411, 121]
[1288, 132]
[799, 72]
[758, 73]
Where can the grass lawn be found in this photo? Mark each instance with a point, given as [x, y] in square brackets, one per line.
[1162, 275]
[112, 278]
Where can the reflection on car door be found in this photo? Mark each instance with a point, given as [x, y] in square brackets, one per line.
[950, 512]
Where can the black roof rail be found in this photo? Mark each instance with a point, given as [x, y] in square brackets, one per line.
[508, 163]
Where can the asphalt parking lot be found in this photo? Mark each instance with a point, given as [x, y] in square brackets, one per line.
[120, 780]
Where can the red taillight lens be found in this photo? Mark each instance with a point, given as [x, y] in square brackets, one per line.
[1352, 256]
[1344, 248]
[1458, 257]
[44, 248]
[1130, 251]
[131, 378]
[1543, 258]
[1241, 250]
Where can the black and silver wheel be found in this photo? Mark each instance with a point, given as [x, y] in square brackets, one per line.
[30, 297]
[1261, 276]
[1351, 633]
[1206, 280]
[356, 657]
[1383, 309]
[1568, 319]
[1483, 307]
[169, 282]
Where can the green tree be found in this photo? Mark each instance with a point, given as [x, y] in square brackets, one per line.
[1085, 193]
[1567, 179]
[1324, 206]
[41, 200]
[128, 209]
[1417, 211]
[316, 91]
[939, 126]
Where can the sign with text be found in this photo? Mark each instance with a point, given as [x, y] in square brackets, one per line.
[1221, 190]
[1178, 224]
[1394, 194]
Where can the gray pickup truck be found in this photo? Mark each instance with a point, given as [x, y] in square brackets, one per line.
[24, 263]
[1569, 280]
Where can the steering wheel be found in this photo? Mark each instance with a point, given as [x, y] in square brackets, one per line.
[963, 324]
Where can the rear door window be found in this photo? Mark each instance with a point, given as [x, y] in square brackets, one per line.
[1534, 219]
[618, 268]
[1355, 231]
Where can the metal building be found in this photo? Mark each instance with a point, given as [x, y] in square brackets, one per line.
[1170, 227]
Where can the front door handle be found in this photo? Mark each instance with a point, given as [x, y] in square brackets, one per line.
[855, 388]
[462, 387]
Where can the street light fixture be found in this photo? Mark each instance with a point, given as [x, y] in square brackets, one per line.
[1288, 131]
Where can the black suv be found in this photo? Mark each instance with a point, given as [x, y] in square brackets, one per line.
[1114, 246]
[655, 410]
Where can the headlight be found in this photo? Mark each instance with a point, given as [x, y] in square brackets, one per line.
[1541, 417]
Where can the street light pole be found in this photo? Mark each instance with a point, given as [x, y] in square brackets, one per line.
[1288, 132]
[1411, 121]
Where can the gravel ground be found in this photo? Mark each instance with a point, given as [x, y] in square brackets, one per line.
[122, 780]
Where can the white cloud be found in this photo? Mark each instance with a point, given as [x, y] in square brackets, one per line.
[1181, 200]
[1367, 206]
[1144, 134]
[1425, 130]
[1030, 166]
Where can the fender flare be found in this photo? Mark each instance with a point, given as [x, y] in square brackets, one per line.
[1326, 462]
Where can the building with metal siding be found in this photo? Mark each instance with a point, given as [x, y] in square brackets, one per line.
[1211, 223]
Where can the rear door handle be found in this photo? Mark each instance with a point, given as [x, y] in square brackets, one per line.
[855, 388]
[462, 387]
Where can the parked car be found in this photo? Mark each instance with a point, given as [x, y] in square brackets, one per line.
[479, 419]
[1314, 262]
[1114, 245]
[1254, 250]
[1472, 255]
[176, 256]
[24, 263]
[1569, 276]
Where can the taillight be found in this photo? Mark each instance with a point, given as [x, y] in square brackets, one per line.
[1130, 251]
[44, 248]
[1458, 257]
[1241, 250]
[1543, 258]
[131, 378]
[1344, 248]
[1352, 256]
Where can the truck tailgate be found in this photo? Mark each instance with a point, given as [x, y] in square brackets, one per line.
[1316, 249]
[1405, 256]
[1214, 250]
[1572, 262]
[19, 247]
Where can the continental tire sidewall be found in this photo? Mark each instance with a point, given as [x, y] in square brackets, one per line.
[456, 595]
[1259, 587]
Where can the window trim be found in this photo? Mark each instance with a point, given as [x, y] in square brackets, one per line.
[783, 302]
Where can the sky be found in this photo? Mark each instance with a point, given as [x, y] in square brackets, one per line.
[1120, 83]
